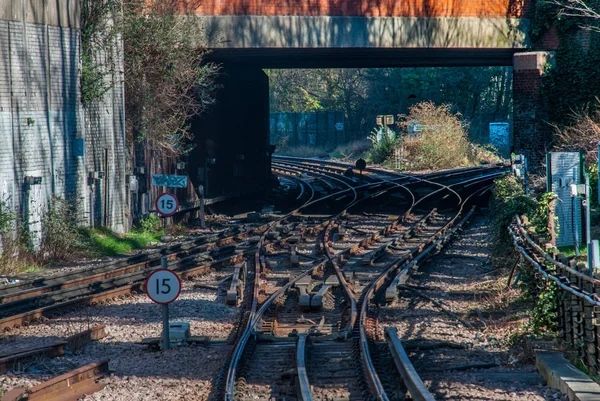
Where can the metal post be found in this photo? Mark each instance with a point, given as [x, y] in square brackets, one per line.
[164, 191]
[202, 216]
[525, 172]
[588, 225]
[575, 225]
[165, 313]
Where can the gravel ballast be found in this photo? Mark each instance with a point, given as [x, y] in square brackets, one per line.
[182, 373]
[478, 314]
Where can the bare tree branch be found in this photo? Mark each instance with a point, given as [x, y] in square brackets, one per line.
[577, 9]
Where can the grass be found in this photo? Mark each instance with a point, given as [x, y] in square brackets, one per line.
[104, 242]
[31, 268]
[570, 250]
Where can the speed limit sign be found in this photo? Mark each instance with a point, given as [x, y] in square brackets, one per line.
[163, 286]
[167, 204]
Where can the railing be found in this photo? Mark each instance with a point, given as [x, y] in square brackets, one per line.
[578, 303]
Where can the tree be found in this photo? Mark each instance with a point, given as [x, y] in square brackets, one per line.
[480, 94]
[587, 10]
[167, 80]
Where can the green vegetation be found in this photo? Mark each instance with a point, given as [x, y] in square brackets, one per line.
[383, 143]
[572, 84]
[103, 242]
[443, 141]
[569, 251]
[99, 28]
[545, 295]
[167, 80]
[480, 94]
[63, 240]
[509, 199]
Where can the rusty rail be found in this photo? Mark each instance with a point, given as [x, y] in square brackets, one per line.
[70, 386]
[25, 318]
[10, 360]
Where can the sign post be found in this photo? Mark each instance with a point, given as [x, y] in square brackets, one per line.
[202, 217]
[163, 287]
[166, 205]
[361, 164]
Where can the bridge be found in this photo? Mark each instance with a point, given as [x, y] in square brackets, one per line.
[249, 35]
[52, 145]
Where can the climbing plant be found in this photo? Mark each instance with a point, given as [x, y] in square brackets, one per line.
[572, 84]
[100, 26]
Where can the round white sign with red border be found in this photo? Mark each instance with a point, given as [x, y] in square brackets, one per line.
[167, 204]
[163, 286]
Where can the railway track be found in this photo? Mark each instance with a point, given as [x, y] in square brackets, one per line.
[310, 320]
[305, 280]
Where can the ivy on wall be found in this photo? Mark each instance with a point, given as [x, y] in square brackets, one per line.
[573, 82]
[99, 29]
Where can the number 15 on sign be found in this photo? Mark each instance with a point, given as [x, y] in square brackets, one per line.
[167, 204]
[163, 286]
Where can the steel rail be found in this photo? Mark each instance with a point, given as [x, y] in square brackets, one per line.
[69, 386]
[254, 315]
[457, 171]
[304, 392]
[140, 260]
[412, 380]
[370, 370]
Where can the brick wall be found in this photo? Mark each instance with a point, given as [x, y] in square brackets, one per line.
[375, 8]
[41, 117]
[532, 134]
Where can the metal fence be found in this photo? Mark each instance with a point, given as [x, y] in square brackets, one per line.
[323, 129]
[578, 301]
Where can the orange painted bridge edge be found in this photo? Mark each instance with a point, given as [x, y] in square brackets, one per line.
[367, 8]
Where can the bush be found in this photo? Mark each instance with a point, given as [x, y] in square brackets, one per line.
[62, 239]
[583, 135]
[443, 139]
[383, 144]
[484, 154]
[508, 199]
[15, 254]
[151, 224]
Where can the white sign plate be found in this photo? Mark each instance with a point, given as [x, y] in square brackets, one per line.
[167, 204]
[163, 286]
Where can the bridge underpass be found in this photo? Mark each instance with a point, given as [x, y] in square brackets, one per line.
[233, 151]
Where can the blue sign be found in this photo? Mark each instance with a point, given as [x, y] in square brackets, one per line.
[173, 181]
